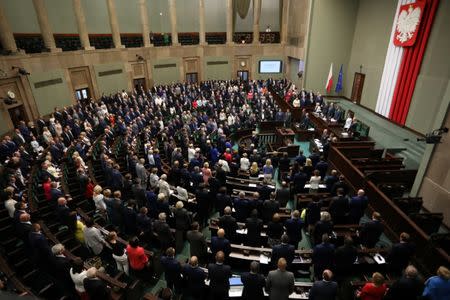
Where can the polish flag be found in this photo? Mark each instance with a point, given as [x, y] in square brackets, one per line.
[329, 83]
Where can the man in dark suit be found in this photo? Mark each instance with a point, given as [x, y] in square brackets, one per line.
[220, 243]
[242, 207]
[229, 224]
[254, 227]
[117, 179]
[371, 231]
[300, 178]
[65, 215]
[407, 287]
[339, 208]
[219, 275]
[294, 227]
[357, 206]
[345, 257]
[253, 282]
[61, 271]
[197, 242]
[195, 279]
[162, 230]
[400, 254]
[324, 289]
[269, 208]
[41, 252]
[340, 184]
[172, 270]
[129, 218]
[331, 179]
[301, 158]
[284, 250]
[55, 192]
[323, 256]
[95, 288]
[23, 229]
[144, 224]
[203, 202]
[283, 194]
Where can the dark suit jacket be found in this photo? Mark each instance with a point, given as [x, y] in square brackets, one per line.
[370, 233]
[61, 272]
[269, 209]
[294, 230]
[129, 220]
[286, 251]
[323, 290]
[219, 276]
[345, 256]
[220, 244]
[42, 253]
[253, 286]
[96, 289]
[229, 224]
[195, 281]
[172, 269]
[323, 257]
[405, 288]
[400, 255]
[254, 227]
[197, 243]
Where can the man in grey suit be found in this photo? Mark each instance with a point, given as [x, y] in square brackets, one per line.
[197, 243]
[324, 289]
[142, 173]
[280, 283]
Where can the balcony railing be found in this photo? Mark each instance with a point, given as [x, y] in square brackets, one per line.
[33, 43]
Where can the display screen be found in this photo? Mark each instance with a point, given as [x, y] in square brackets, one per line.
[270, 66]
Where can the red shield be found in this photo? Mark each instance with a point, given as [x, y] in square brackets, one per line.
[408, 23]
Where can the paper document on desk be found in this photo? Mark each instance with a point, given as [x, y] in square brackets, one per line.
[311, 129]
[379, 259]
[263, 259]
[241, 231]
[322, 186]
[307, 186]
[251, 185]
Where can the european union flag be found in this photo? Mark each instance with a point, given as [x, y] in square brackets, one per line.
[339, 82]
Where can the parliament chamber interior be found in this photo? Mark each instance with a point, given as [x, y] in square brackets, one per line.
[225, 149]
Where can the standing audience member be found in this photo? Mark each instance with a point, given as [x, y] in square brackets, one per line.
[280, 283]
[254, 283]
[409, 286]
[374, 290]
[438, 287]
[219, 275]
[324, 289]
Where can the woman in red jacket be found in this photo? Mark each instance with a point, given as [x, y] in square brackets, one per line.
[374, 290]
[137, 258]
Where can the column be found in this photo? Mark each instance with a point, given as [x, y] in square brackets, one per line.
[173, 22]
[284, 22]
[81, 23]
[6, 35]
[229, 22]
[256, 17]
[44, 25]
[144, 23]
[114, 24]
[201, 13]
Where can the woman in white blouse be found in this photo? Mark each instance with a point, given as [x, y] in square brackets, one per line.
[97, 196]
[314, 182]
[78, 274]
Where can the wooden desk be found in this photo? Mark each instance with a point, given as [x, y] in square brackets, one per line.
[284, 135]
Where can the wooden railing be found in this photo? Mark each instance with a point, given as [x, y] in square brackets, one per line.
[429, 258]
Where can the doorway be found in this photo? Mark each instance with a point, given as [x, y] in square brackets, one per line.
[242, 75]
[139, 84]
[191, 77]
[17, 114]
[82, 95]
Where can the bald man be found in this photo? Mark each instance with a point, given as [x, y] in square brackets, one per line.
[325, 289]
[280, 283]
[219, 275]
[220, 243]
[195, 279]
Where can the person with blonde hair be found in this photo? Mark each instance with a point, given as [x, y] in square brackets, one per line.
[438, 287]
[254, 170]
[98, 198]
[119, 252]
[268, 169]
[374, 290]
[206, 172]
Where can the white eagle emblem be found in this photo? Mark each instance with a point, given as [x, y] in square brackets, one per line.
[407, 23]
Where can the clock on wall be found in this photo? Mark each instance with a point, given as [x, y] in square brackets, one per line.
[242, 63]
